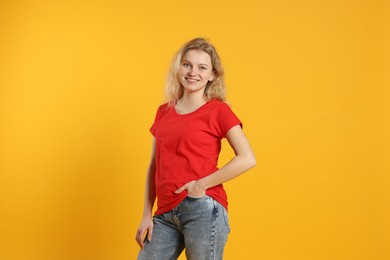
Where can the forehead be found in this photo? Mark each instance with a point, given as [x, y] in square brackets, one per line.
[197, 56]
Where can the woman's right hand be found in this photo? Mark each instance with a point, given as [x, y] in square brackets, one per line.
[146, 226]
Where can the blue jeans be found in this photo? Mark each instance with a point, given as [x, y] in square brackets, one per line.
[200, 225]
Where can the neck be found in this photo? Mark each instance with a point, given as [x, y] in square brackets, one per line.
[193, 99]
[190, 103]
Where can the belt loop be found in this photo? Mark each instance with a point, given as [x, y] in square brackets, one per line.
[215, 207]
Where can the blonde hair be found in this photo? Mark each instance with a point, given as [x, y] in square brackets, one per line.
[215, 89]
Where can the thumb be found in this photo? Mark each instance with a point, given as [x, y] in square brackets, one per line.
[179, 190]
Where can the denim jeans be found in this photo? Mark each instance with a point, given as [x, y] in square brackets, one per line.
[200, 225]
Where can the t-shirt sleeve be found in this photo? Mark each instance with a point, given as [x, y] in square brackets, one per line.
[225, 119]
[159, 114]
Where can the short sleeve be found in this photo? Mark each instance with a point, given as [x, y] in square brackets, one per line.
[225, 119]
[159, 115]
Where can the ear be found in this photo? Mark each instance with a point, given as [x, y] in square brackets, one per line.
[212, 76]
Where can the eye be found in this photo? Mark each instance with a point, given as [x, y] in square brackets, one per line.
[203, 68]
[186, 65]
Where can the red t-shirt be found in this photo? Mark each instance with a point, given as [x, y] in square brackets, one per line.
[187, 149]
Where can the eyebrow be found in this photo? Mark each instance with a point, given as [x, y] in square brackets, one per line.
[202, 64]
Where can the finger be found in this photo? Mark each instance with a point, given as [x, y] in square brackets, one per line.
[181, 189]
[139, 239]
[150, 233]
[141, 244]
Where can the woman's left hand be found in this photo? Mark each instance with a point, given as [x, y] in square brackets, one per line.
[194, 189]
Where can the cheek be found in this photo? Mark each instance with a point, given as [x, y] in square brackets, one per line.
[182, 72]
[207, 76]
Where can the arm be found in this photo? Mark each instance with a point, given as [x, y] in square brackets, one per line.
[243, 161]
[150, 196]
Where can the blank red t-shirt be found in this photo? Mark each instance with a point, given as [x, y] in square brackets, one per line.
[187, 149]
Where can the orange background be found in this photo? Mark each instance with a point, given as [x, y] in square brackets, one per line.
[80, 82]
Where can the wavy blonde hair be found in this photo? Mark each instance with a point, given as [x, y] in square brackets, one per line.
[214, 89]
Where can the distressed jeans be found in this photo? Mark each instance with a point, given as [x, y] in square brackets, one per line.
[200, 225]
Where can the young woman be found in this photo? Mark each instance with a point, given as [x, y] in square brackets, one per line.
[183, 175]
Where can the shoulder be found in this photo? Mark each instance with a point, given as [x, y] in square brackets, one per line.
[221, 110]
[161, 111]
[222, 117]
[163, 106]
[219, 106]
[216, 104]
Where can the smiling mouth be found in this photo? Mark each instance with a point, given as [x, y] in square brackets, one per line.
[191, 80]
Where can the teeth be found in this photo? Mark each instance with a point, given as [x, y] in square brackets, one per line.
[192, 80]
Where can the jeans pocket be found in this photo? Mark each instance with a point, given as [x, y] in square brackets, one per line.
[226, 218]
[197, 198]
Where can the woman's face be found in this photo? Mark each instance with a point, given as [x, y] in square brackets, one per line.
[195, 71]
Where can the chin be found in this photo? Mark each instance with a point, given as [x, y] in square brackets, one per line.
[194, 89]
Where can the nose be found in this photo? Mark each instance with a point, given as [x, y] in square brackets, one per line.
[192, 72]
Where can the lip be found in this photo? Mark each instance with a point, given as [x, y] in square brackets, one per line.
[191, 80]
